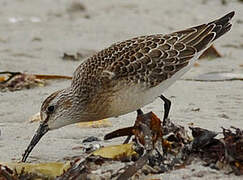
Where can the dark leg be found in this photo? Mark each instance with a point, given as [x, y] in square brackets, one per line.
[127, 139]
[139, 112]
[167, 105]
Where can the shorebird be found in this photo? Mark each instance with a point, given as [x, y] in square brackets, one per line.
[127, 76]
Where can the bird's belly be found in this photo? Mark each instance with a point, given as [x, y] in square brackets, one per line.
[132, 97]
[129, 99]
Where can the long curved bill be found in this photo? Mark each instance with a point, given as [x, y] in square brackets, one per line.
[43, 129]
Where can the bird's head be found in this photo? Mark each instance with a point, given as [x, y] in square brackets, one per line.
[58, 110]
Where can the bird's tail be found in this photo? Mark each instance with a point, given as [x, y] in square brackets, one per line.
[200, 37]
[222, 25]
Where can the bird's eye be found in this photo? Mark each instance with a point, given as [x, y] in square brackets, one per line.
[50, 109]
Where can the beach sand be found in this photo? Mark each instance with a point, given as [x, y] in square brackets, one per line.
[34, 35]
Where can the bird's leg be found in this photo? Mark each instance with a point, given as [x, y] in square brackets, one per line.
[167, 105]
[139, 112]
[127, 139]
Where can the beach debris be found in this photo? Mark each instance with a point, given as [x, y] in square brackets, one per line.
[154, 149]
[224, 153]
[15, 19]
[73, 57]
[89, 147]
[14, 81]
[116, 152]
[223, 115]
[77, 9]
[179, 149]
[91, 139]
[196, 64]
[210, 53]
[51, 77]
[195, 109]
[89, 144]
[153, 143]
[18, 171]
[76, 6]
[32, 19]
[35, 118]
[202, 137]
[148, 137]
[141, 156]
[150, 120]
[88, 168]
[95, 124]
[82, 54]
[218, 76]
[224, 2]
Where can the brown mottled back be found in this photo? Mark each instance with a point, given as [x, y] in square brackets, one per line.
[149, 59]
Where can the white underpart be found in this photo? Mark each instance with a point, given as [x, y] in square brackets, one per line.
[131, 98]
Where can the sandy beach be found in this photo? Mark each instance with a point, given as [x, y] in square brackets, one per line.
[34, 35]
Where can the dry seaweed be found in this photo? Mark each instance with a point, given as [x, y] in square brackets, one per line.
[13, 81]
[33, 171]
[82, 54]
[73, 57]
[149, 156]
[224, 153]
[155, 149]
[210, 53]
[9, 174]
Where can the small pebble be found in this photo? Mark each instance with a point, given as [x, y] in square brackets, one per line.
[91, 139]
[90, 147]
